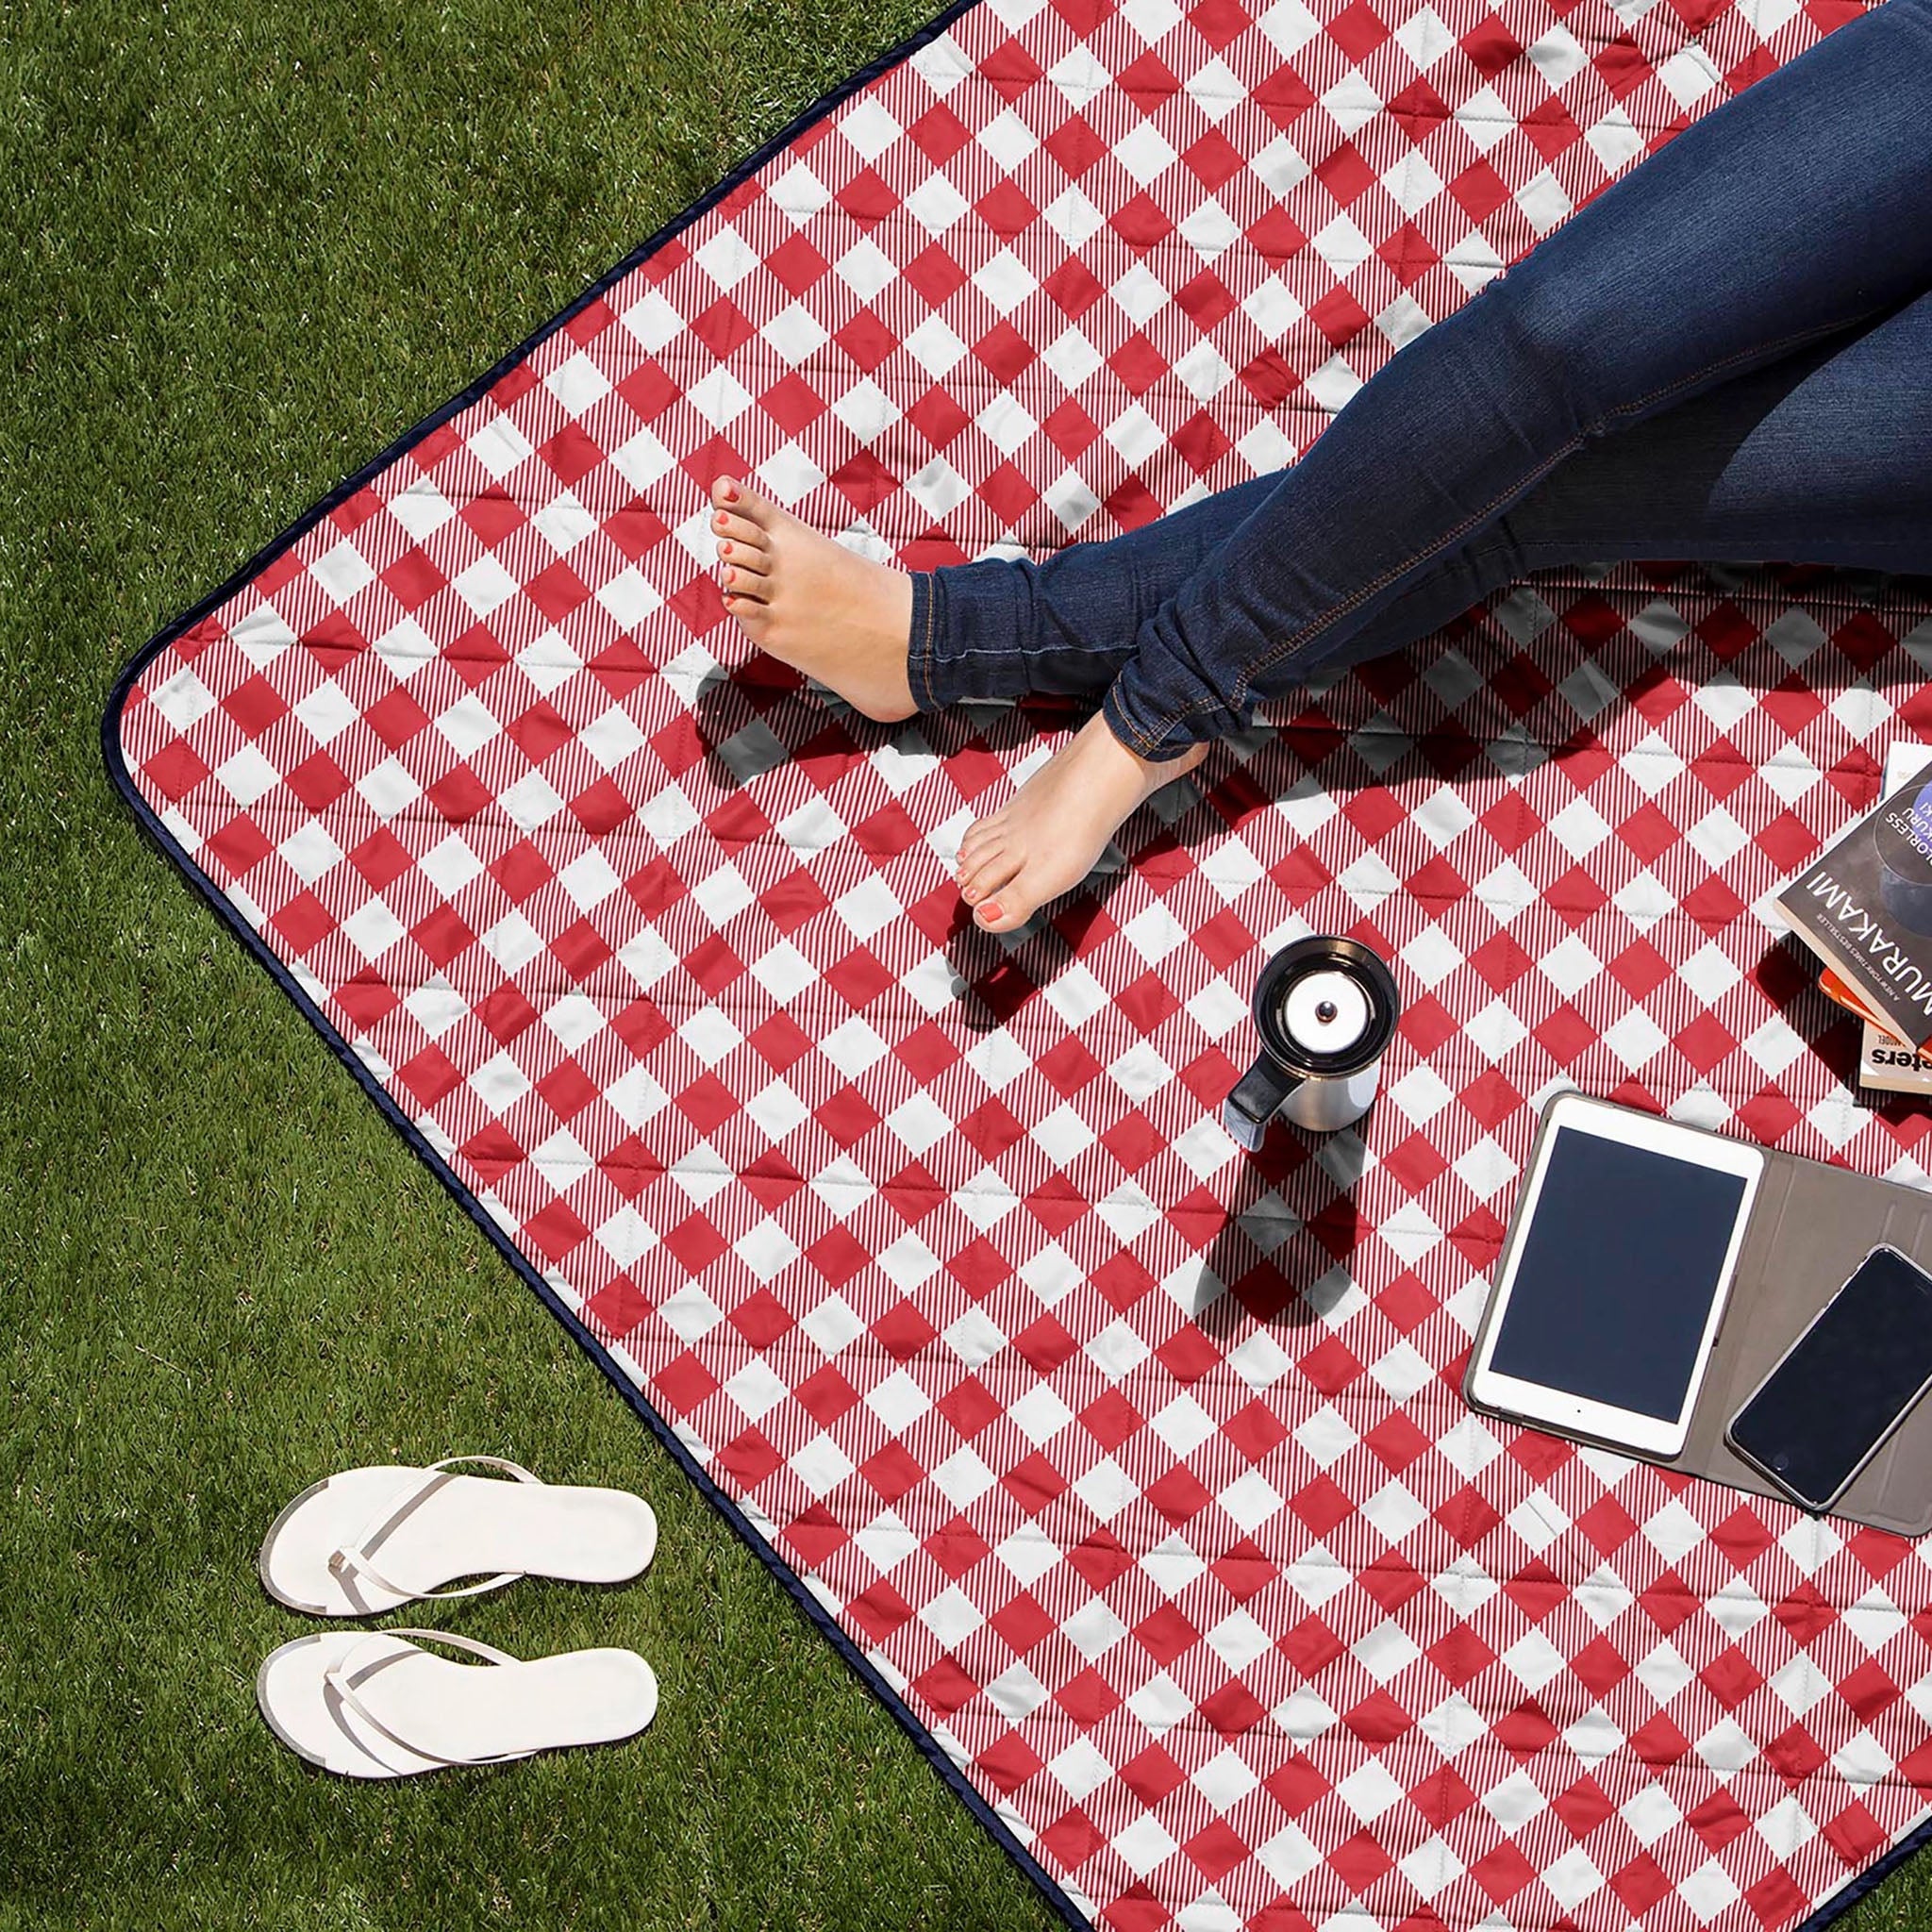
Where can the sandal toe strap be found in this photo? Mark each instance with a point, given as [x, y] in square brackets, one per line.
[339, 1683]
[354, 1560]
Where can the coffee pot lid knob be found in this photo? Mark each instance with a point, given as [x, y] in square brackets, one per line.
[1325, 1012]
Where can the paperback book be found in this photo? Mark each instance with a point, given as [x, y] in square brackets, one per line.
[1865, 908]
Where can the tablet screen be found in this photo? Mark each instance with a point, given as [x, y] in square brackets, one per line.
[1617, 1275]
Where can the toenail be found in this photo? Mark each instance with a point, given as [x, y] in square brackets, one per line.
[731, 493]
[992, 908]
[970, 894]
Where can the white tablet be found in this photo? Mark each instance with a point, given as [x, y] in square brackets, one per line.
[1619, 1259]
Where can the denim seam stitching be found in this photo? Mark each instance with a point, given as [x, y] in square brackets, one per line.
[925, 657]
[1245, 684]
[1006, 651]
[1143, 742]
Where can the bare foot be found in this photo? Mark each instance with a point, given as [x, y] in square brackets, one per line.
[815, 605]
[1052, 833]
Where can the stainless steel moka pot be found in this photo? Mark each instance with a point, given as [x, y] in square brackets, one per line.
[1326, 1009]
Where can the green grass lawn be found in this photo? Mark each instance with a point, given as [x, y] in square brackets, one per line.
[249, 241]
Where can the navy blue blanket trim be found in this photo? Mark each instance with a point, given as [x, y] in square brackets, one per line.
[1873, 1875]
[123, 783]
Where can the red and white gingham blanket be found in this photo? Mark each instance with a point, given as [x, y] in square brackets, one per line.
[1132, 1473]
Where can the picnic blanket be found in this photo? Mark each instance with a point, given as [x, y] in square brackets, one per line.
[1129, 1470]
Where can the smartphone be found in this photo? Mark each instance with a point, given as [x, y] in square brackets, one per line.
[1847, 1382]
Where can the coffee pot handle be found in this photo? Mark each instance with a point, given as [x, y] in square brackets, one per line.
[1252, 1103]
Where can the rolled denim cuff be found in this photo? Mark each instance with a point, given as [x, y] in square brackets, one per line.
[991, 630]
[968, 639]
[972, 635]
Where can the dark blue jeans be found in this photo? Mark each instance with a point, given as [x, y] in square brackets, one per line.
[1726, 355]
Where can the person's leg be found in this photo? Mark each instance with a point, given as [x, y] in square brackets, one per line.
[1819, 458]
[1807, 459]
[1004, 628]
[1795, 208]
[994, 628]
[1785, 215]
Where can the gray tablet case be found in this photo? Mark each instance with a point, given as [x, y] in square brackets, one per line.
[1809, 1228]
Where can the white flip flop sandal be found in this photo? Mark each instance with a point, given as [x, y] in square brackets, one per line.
[368, 1540]
[370, 1704]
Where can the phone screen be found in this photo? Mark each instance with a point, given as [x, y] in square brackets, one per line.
[1847, 1380]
